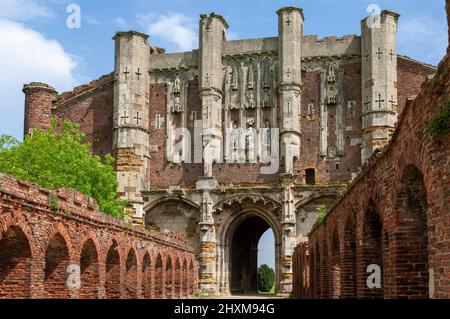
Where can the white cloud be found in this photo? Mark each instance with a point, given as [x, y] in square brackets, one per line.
[24, 10]
[423, 38]
[29, 57]
[121, 22]
[174, 28]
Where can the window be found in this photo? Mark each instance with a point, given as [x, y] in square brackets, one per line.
[310, 176]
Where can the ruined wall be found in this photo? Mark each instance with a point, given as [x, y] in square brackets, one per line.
[90, 106]
[395, 215]
[45, 235]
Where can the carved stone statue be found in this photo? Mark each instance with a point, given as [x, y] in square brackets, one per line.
[251, 101]
[177, 85]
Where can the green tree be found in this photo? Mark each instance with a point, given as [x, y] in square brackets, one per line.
[59, 158]
[266, 278]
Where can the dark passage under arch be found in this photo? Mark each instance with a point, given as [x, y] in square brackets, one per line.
[244, 255]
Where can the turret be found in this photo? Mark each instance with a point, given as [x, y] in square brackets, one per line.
[290, 30]
[212, 36]
[38, 105]
[131, 115]
[379, 80]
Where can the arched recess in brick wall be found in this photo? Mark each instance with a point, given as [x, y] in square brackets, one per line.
[410, 236]
[169, 278]
[89, 271]
[55, 272]
[15, 264]
[112, 279]
[348, 264]
[178, 279]
[131, 270]
[192, 283]
[371, 253]
[335, 266]
[317, 272]
[147, 282]
[159, 278]
[325, 271]
[185, 281]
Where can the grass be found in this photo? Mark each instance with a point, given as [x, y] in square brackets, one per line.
[271, 292]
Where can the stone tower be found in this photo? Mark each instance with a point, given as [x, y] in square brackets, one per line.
[290, 30]
[131, 107]
[212, 36]
[379, 83]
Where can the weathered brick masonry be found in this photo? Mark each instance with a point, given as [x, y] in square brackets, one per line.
[396, 214]
[45, 235]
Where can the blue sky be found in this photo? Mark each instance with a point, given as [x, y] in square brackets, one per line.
[37, 45]
[42, 48]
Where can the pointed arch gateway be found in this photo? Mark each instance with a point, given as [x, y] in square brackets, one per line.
[238, 255]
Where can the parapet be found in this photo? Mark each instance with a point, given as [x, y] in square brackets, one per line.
[130, 33]
[290, 9]
[38, 86]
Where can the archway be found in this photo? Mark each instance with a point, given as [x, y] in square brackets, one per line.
[131, 275]
[169, 278]
[185, 282]
[244, 239]
[147, 277]
[15, 264]
[349, 261]
[112, 280]
[335, 266]
[55, 273]
[178, 279]
[159, 273]
[372, 251]
[89, 271]
[411, 240]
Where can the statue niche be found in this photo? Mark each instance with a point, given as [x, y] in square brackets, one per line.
[266, 86]
[234, 89]
[250, 97]
[176, 95]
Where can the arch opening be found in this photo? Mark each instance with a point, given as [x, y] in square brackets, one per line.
[372, 252]
[112, 280]
[15, 264]
[89, 273]
[335, 267]
[55, 273]
[159, 287]
[147, 281]
[131, 275]
[244, 254]
[411, 262]
[349, 261]
[169, 278]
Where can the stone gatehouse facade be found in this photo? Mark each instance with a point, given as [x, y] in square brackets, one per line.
[226, 141]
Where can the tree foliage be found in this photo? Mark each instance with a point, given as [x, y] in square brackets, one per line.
[266, 278]
[321, 215]
[59, 158]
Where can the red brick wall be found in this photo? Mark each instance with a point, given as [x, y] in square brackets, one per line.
[395, 214]
[91, 106]
[38, 105]
[38, 242]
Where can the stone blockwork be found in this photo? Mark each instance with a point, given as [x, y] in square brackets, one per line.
[48, 237]
[395, 214]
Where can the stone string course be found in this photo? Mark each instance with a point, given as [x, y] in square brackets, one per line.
[44, 233]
